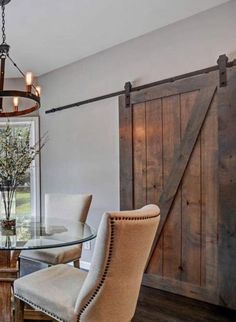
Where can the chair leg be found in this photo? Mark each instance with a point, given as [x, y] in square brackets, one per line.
[19, 266]
[19, 310]
[77, 263]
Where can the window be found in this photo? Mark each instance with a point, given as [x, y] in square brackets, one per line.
[26, 202]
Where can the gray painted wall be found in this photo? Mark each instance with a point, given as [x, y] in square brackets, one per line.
[82, 154]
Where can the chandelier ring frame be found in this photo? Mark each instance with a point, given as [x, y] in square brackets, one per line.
[28, 95]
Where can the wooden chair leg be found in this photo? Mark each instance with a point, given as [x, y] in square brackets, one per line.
[77, 263]
[19, 310]
[19, 264]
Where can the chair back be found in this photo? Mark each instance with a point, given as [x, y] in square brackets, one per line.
[111, 288]
[71, 206]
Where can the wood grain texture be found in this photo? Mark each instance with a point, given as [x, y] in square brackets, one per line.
[200, 175]
[171, 143]
[183, 155]
[227, 191]
[154, 150]
[36, 316]
[139, 155]
[19, 310]
[171, 89]
[191, 202]
[180, 287]
[8, 273]
[209, 198]
[126, 155]
[154, 142]
[158, 306]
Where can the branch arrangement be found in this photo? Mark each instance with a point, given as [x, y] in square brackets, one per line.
[16, 156]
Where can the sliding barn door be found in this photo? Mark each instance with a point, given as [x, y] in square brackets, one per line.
[169, 156]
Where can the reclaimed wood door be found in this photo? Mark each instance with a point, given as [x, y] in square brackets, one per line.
[170, 156]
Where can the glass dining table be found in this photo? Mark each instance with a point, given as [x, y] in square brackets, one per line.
[29, 235]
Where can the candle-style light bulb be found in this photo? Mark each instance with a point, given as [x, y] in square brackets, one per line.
[29, 81]
[29, 78]
[16, 103]
[38, 90]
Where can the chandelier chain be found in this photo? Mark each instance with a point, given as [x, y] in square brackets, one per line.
[31, 92]
[3, 25]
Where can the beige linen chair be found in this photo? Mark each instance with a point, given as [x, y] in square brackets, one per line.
[109, 291]
[73, 207]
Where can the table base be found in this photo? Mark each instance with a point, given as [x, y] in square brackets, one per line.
[8, 273]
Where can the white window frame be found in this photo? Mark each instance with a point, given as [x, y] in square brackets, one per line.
[33, 122]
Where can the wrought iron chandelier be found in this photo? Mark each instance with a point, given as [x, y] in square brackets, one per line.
[22, 102]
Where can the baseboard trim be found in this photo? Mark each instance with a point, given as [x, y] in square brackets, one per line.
[85, 265]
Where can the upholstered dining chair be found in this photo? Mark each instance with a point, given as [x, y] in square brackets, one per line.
[72, 206]
[109, 291]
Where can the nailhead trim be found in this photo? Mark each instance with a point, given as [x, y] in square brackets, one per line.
[109, 259]
[39, 307]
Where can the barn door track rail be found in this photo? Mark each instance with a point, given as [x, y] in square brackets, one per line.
[222, 64]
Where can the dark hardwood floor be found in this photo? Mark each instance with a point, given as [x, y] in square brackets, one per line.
[158, 306]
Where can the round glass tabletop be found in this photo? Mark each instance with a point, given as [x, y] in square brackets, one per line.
[53, 233]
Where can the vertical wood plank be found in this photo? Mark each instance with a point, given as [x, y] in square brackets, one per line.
[191, 199]
[154, 150]
[156, 265]
[172, 230]
[154, 167]
[227, 191]
[126, 155]
[139, 155]
[209, 197]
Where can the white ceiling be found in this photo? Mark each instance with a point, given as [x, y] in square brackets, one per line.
[48, 34]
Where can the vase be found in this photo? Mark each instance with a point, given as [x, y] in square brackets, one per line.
[8, 227]
[7, 196]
